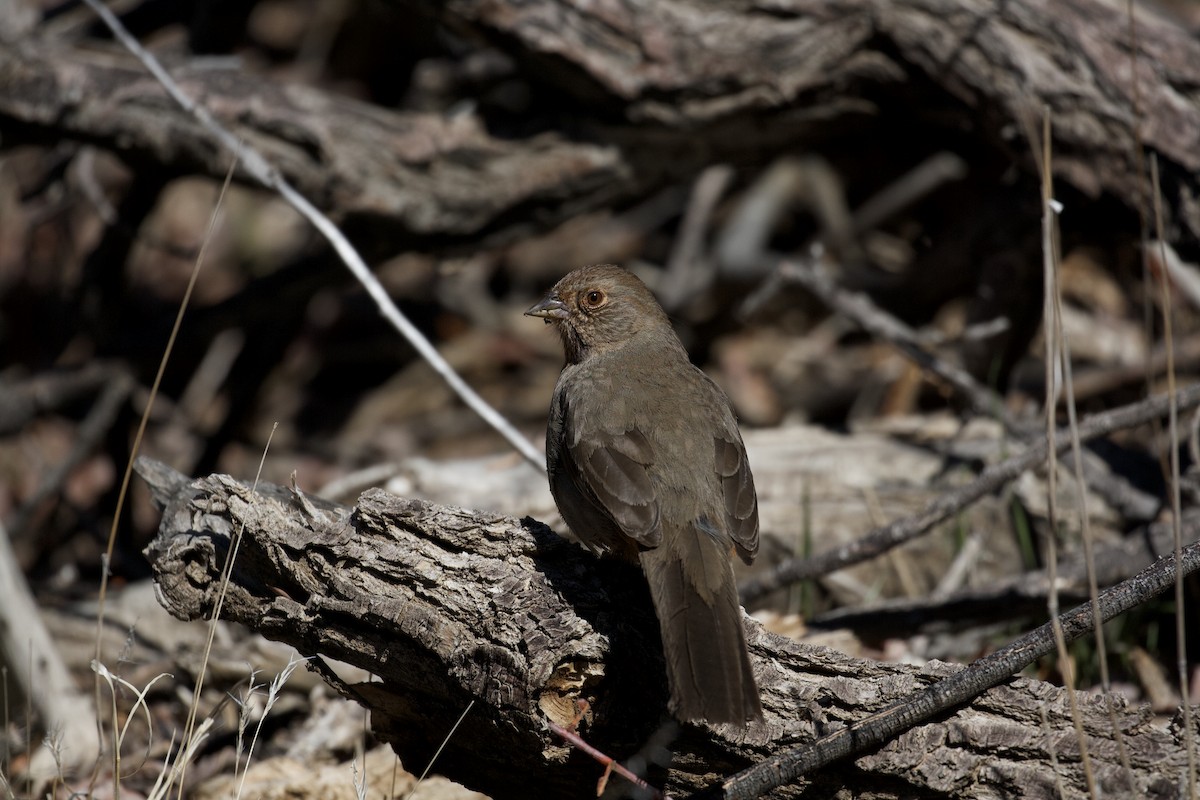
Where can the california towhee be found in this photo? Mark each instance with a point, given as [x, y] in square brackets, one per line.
[646, 462]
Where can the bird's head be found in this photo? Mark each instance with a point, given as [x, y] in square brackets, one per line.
[599, 308]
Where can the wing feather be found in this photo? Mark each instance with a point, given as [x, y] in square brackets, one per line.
[741, 503]
[614, 468]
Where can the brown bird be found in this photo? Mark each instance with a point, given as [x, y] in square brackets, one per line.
[646, 462]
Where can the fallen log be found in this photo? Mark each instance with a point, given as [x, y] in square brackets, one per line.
[454, 609]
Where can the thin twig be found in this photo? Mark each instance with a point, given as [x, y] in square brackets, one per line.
[812, 275]
[21, 401]
[743, 243]
[1139, 154]
[137, 443]
[1089, 537]
[1176, 502]
[257, 166]
[50, 688]
[98, 421]
[688, 269]
[921, 180]
[83, 167]
[441, 747]
[950, 503]
[959, 688]
[1017, 597]
[222, 592]
[1052, 333]
[740, 244]
[610, 763]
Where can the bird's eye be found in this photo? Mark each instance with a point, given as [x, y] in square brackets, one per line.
[594, 299]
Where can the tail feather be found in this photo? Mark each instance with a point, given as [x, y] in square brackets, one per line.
[704, 644]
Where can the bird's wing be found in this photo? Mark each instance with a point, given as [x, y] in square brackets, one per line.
[611, 468]
[737, 485]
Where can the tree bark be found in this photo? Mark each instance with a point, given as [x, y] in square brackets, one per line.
[802, 70]
[449, 607]
[695, 81]
[389, 177]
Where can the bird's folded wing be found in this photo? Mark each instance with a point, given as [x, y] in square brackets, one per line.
[741, 504]
[613, 468]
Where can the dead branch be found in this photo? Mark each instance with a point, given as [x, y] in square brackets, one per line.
[1017, 596]
[693, 83]
[809, 65]
[448, 606]
[941, 508]
[383, 175]
[990, 670]
[268, 175]
[34, 668]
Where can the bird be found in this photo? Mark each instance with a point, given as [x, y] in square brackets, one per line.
[646, 463]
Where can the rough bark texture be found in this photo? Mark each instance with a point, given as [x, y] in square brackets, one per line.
[449, 606]
[693, 63]
[410, 174]
[697, 79]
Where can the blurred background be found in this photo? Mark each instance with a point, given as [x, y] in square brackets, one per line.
[475, 153]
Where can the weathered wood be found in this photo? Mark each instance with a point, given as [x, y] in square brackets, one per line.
[696, 80]
[692, 64]
[399, 173]
[449, 606]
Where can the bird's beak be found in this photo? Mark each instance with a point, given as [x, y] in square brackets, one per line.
[550, 309]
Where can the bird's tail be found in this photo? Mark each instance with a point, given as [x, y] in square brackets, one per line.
[704, 644]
